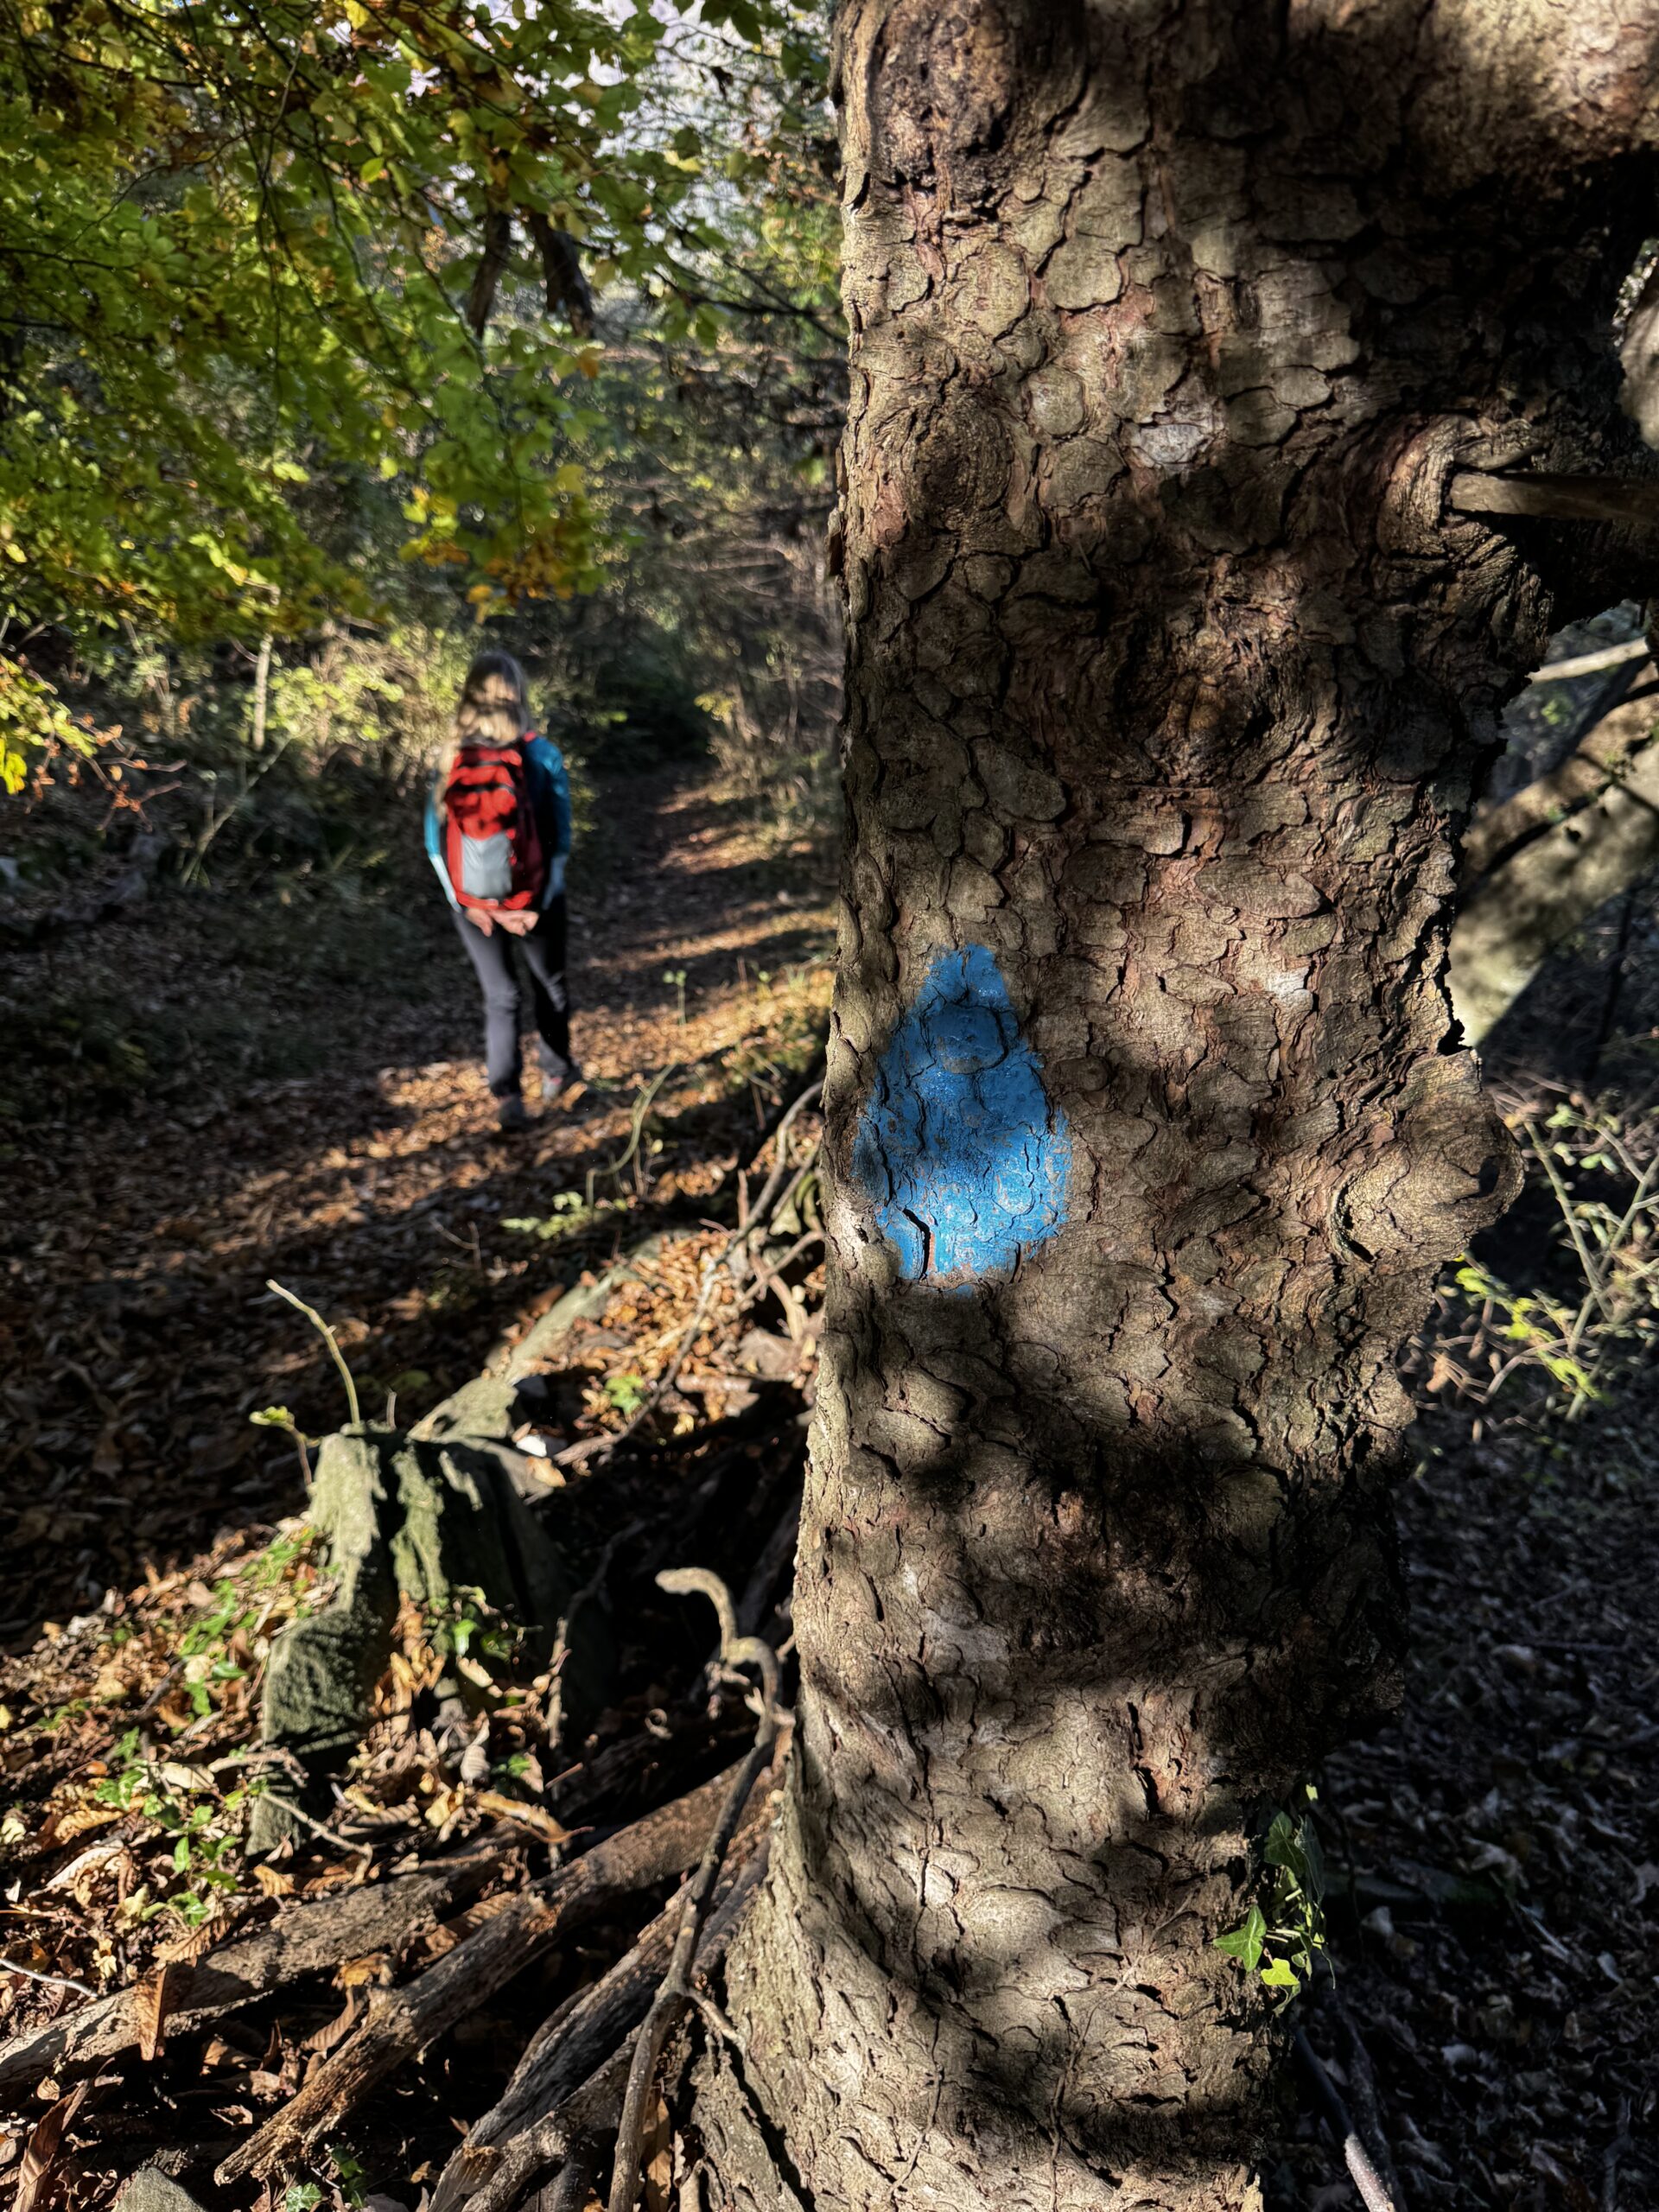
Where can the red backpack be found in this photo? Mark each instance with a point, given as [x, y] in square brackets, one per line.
[492, 849]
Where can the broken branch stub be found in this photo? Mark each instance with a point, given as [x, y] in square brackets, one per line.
[425, 1515]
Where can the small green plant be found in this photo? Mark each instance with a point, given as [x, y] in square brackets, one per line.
[1283, 1933]
[215, 1647]
[626, 1392]
[1603, 1174]
[329, 1339]
[280, 1417]
[572, 1213]
[677, 976]
[301, 2196]
[472, 1625]
[187, 1803]
[1535, 1331]
[351, 2175]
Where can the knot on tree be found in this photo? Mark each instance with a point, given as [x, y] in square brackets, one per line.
[1445, 1169]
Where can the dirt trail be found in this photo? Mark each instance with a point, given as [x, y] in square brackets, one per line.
[136, 1332]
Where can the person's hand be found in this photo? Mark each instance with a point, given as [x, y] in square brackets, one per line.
[519, 922]
[477, 916]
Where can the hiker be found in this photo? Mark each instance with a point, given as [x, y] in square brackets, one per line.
[498, 831]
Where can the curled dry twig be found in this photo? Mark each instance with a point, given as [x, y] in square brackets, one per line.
[642, 1106]
[328, 1338]
[735, 1650]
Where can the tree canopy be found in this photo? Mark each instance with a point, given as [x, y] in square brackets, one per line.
[252, 260]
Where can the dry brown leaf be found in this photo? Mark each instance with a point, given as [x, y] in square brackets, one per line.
[336, 2031]
[80, 1820]
[83, 1868]
[656, 2157]
[154, 1997]
[330, 1878]
[355, 1973]
[35, 2174]
[184, 1949]
[529, 1816]
[272, 1881]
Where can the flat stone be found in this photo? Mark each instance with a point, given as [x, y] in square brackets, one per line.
[151, 2190]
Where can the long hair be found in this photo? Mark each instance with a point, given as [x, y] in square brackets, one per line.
[493, 708]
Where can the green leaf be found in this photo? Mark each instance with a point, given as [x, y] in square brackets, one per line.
[1245, 1944]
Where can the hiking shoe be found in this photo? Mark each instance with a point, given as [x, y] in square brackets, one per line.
[510, 1114]
[555, 1087]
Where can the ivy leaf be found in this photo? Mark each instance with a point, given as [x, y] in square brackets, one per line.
[1246, 1943]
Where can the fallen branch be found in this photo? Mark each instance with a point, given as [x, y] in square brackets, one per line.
[304, 1938]
[1597, 664]
[779, 1552]
[581, 2123]
[1374, 2193]
[1558, 499]
[587, 2028]
[1367, 2106]
[578, 2038]
[1604, 754]
[575, 2130]
[402, 2022]
[736, 1651]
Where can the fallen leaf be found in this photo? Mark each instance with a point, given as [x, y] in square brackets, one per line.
[354, 1973]
[185, 1949]
[42, 2151]
[154, 1997]
[529, 1816]
[336, 2031]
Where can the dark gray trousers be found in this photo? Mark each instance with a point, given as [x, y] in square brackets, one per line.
[544, 958]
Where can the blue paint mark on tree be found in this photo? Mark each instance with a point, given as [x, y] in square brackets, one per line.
[957, 1148]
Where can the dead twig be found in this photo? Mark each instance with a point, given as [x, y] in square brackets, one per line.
[402, 2022]
[1374, 2193]
[642, 1106]
[1368, 2105]
[328, 1338]
[600, 1448]
[52, 1981]
[575, 2130]
[736, 1650]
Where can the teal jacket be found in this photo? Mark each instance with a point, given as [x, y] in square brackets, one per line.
[550, 795]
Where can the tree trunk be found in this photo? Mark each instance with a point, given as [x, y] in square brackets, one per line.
[1169, 681]
[1558, 852]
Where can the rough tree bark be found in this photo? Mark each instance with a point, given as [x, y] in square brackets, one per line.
[1170, 678]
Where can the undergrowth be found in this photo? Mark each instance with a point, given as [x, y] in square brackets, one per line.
[1558, 1304]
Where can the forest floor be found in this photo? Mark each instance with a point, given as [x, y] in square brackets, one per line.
[241, 1100]
[155, 1188]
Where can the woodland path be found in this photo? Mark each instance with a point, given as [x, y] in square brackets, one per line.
[136, 1332]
